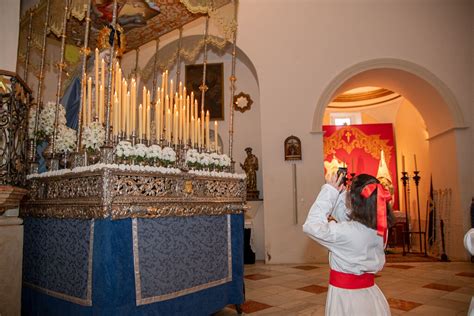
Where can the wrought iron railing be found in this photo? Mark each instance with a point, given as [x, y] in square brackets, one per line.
[15, 99]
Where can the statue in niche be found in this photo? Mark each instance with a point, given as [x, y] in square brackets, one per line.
[250, 167]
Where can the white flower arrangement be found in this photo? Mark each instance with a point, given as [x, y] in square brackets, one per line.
[65, 139]
[124, 149]
[224, 161]
[197, 160]
[168, 156]
[192, 156]
[140, 151]
[154, 152]
[93, 136]
[46, 119]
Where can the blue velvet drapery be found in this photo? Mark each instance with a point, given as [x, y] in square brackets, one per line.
[113, 282]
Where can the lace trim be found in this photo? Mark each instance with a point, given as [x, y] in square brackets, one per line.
[188, 55]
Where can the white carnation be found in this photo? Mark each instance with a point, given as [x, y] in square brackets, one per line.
[65, 139]
[123, 149]
[140, 150]
[47, 118]
[93, 136]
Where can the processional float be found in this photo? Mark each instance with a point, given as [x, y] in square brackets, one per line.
[143, 165]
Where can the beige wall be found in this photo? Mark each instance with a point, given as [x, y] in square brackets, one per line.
[9, 17]
[316, 41]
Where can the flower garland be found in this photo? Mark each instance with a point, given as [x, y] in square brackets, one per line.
[100, 166]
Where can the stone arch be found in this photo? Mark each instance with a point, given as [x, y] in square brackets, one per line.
[445, 123]
[436, 103]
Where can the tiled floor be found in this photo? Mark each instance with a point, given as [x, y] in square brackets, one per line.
[425, 288]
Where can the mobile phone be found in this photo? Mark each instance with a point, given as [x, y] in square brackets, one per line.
[343, 171]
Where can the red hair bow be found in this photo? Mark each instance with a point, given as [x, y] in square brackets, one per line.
[383, 196]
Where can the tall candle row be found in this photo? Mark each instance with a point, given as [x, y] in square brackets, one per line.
[174, 113]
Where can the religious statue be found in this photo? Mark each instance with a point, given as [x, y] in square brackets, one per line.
[250, 167]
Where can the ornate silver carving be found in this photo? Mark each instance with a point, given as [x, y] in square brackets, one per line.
[122, 194]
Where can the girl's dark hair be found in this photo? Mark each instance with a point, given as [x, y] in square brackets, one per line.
[364, 210]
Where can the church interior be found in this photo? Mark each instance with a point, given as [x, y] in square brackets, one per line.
[161, 157]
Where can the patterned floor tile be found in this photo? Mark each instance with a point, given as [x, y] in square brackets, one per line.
[306, 268]
[442, 287]
[257, 276]
[399, 266]
[412, 288]
[253, 306]
[402, 304]
[316, 289]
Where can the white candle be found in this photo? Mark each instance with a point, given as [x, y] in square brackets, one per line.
[157, 120]
[96, 83]
[148, 122]
[115, 111]
[102, 73]
[84, 99]
[133, 104]
[125, 105]
[129, 116]
[140, 121]
[168, 126]
[175, 127]
[187, 118]
[199, 132]
[101, 104]
[192, 131]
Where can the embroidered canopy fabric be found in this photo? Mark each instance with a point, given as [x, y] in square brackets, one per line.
[171, 16]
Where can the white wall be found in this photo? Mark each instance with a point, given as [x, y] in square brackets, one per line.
[9, 26]
[298, 49]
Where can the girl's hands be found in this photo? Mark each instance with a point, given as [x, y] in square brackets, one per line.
[333, 180]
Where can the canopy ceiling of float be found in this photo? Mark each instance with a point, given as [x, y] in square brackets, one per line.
[142, 20]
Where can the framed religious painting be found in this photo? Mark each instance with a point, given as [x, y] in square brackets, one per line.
[292, 148]
[214, 96]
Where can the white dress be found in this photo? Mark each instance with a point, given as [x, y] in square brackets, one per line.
[353, 248]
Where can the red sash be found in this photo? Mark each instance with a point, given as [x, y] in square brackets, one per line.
[351, 281]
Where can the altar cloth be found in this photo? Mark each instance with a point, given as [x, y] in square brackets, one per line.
[61, 277]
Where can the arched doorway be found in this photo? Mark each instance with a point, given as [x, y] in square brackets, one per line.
[444, 125]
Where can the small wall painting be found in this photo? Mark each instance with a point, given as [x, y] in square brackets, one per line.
[292, 148]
